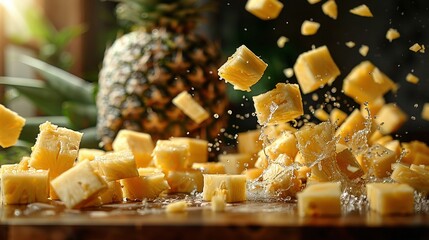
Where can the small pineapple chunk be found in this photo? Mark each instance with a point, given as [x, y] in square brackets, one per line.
[395, 146]
[347, 162]
[264, 9]
[149, 185]
[309, 28]
[366, 83]
[411, 78]
[234, 187]
[415, 48]
[322, 199]
[350, 44]
[243, 69]
[381, 160]
[89, 154]
[272, 132]
[185, 181]
[218, 203]
[236, 163]
[392, 34]
[78, 185]
[252, 173]
[353, 123]
[337, 116]
[321, 114]
[282, 41]
[315, 68]
[363, 50]
[372, 107]
[390, 198]
[249, 142]
[11, 125]
[282, 104]
[140, 144]
[23, 186]
[280, 181]
[361, 10]
[419, 180]
[329, 8]
[390, 118]
[262, 161]
[117, 165]
[425, 112]
[285, 144]
[24, 163]
[210, 167]
[169, 155]
[177, 207]
[313, 1]
[197, 148]
[190, 107]
[113, 194]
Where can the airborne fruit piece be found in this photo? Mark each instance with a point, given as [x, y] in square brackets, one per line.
[117, 165]
[248, 142]
[234, 187]
[236, 163]
[190, 107]
[285, 144]
[361, 10]
[280, 181]
[380, 160]
[390, 198]
[411, 78]
[309, 28]
[337, 116]
[329, 8]
[392, 34]
[390, 118]
[147, 185]
[417, 178]
[169, 155]
[353, 123]
[11, 125]
[320, 199]
[243, 69]
[425, 112]
[264, 9]
[140, 144]
[347, 162]
[321, 114]
[197, 148]
[185, 181]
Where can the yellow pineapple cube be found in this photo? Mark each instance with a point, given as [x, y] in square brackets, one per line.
[350, 44]
[412, 149]
[363, 50]
[23, 186]
[209, 167]
[88, 154]
[329, 8]
[169, 155]
[309, 28]
[262, 160]
[78, 185]
[415, 47]
[264, 9]
[353, 123]
[190, 107]
[411, 78]
[24, 164]
[236, 163]
[218, 203]
[347, 162]
[421, 159]
[243, 69]
[321, 114]
[249, 142]
[371, 108]
[417, 178]
[313, 1]
[177, 207]
[425, 112]
[117, 165]
[185, 181]
[145, 186]
[140, 144]
[392, 34]
[366, 83]
[11, 125]
[272, 132]
[198, 149]
[395, 146]
[315, 68]
[282, 104]
[322, 199]
[234, 187]
[280, 181]
[252, 173]
[390, 118]
[390, 198]
[381, 160]
[286, 144]
[337, 116]
[361, 10]
[113, 194]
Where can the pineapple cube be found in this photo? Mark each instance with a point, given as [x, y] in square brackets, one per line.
[243, 69]
[329, 8]
[347, 162]
[210, 167]
[381, 160]
[425, 112]
[421, 159]
[23, 186]
[412, 149]
[390, 198]
[112, 194]
[309, 28]
[145, 186]
[354, 122]
[337, 116]
[286, 144]
[264, 9]
[350, 44]
[218, 203]
[198, 149]
[321, 114]
[415, 47]
[185, 181]
[363, 50]
[366, 83]
[313, 1]
[392, 34]
[140, 144]
[411, 78]
[169, 155]
[117, 165]
[371, 108]
[78, 185]
[11, 125]
[395, 146]
[272, 132]
[252, 173]
[236, 163]
[390, 118]
[177, 207]
[24, 163]
[417, 178]
[249, 142]
[315, 68]
[282, 104]
[280, 181]
[262, 161]
[190, 107]
[234, 187]
[88, 154]
[361, 10]
[322, 199]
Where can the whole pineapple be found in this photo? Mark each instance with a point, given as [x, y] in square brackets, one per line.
[145, 69]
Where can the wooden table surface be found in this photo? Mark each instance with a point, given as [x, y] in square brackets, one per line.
[249, 220]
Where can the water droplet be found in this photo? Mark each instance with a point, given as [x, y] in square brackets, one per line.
[216, 115]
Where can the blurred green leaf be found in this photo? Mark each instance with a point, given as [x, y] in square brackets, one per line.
[39, 27]
[80, 115]
[89, 139]
[66, 35]
[14, 154]
[31, 127]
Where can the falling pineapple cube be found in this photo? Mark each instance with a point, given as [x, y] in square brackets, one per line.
[380, 159]
[353, 123]
[315, 68]
[309, 28]
[390, 118]
[11, 125]
[280, 105]
[347, 162]
[411, 78]
[185, 181]
[280, 180]
[117, 165]
[390, 198]
[366, 83]
[149, 185]
[23, 186]
[264, 9]
[169, 155]
[209, 167]
[392, 34]
[249, 142]
[425, 112]
[329, 8]
[361, 10]
[321, 114]
[236, 163]
[337, 116]
[140, 144]
[285, 144]
[234, 187]
[253, 173]
[417, 178]
[197, 148]
[371, 108]
[322, 199]
[243, 69]
[190, 107]
[89, 154]
[78, 185]
[272, 132]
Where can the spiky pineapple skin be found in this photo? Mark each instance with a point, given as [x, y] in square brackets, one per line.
[143, 71]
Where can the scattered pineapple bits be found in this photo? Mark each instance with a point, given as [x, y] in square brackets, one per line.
[350, 44]
[243, 69]
[363, 50]
[116, 165]
[169, 155]
[329, 8]
[313, 1]
[282, 41]
[390, 118]
[177, 207]
[321, 114]
[425, 112]
[89, 154]
[11, 125]
[282, 104]
[322, 199]
[309, 28]
[422, 50]
[315, 68]
[218, 203]
[140, 144]
[415, 48]
[233, 186]
[392, 34]
[337, 116]
[411, 78]
[390, 198]
[197, 148]
[145, 186]
[236, 163]
[187, 181]
[264, 9]
[190, 107]
[288, 72]
[361, 10]
[415, 176]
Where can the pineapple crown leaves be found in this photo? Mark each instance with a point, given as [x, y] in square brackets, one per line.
[180, 15]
